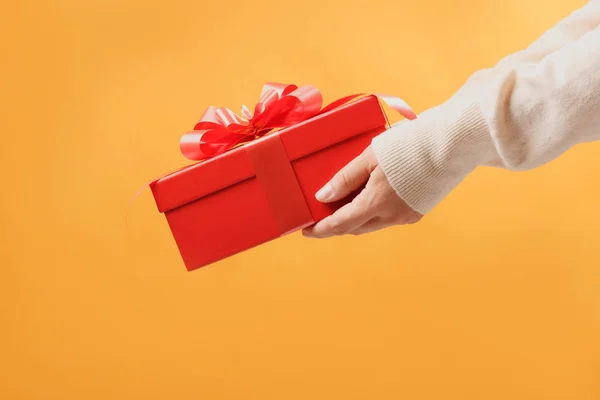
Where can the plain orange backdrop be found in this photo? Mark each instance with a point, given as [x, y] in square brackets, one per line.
[495, 295]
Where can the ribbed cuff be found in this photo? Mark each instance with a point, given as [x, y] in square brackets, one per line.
[425, 159]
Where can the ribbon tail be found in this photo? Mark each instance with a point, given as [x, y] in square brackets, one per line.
[398, 105]
[395, 103]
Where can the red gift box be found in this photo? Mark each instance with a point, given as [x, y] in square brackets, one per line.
[265, 188]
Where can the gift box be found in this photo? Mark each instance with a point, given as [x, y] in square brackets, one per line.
[257, 176]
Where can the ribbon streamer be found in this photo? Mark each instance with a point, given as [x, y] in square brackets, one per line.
[279, 106]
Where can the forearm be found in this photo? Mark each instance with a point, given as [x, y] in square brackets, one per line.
[535, 112]
[568, 30]
[520, 116]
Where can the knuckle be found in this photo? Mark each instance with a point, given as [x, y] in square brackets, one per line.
[342, 179]
[368, 157]
[337, 228]
[368, 199]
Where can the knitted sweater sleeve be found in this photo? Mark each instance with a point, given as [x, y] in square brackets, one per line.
[527, 110]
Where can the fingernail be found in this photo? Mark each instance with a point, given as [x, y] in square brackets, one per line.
[325, 193]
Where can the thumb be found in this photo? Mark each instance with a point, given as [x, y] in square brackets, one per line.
[349, 178]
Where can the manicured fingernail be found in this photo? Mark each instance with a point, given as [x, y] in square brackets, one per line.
[325, 193]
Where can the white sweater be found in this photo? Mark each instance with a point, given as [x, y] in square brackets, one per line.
[527, 110]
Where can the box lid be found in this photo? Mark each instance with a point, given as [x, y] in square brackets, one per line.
[200, 179]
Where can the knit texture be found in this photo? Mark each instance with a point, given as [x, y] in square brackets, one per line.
[527, 110]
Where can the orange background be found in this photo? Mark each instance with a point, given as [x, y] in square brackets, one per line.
[495, 295]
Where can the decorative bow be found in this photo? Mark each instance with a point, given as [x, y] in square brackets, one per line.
[280, 106]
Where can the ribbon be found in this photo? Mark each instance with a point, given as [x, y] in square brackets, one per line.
[279, 106]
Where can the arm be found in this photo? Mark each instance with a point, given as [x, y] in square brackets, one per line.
[528, 109]
[523, 117]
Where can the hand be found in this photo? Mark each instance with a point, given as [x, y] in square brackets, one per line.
[376, 207]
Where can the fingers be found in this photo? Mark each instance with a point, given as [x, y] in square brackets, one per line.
[376, 207]
[372, 225]
[349, 178]
[343, 221]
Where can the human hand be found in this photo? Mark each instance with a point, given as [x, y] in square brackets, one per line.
[376, 207]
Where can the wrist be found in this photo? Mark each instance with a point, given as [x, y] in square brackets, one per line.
[425, 159]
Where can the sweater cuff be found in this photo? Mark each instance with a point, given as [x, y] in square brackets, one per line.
[425, 159]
